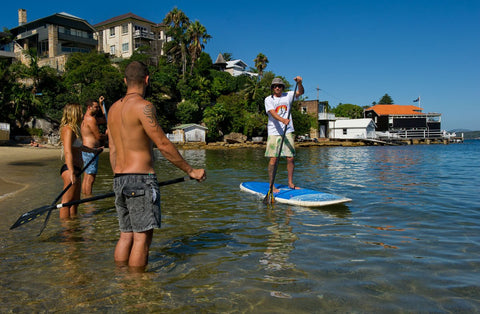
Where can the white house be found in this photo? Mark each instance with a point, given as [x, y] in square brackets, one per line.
[237, 68]
[189, 133]
[352, 129]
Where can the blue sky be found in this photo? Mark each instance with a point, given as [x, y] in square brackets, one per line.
[353, 51]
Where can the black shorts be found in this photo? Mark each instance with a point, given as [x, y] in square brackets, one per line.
[64, 168]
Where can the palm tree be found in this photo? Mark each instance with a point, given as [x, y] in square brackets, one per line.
[260, 63]
[177, 23]
[227, 56]
[197, 37]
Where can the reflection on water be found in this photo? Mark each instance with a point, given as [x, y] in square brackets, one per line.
[408, 242]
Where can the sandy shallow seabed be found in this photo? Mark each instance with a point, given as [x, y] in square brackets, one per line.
[16, 179]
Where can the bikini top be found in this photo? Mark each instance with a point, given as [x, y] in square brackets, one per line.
[76, 144]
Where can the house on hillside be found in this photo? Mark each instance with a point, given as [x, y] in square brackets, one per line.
[220, 64]
[122, 35]
[237, 68]
[54, 37]
[352, 129]
[404, 121]
[191, 132]
[6, 48]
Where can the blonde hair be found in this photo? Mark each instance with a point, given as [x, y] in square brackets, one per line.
[72, 117]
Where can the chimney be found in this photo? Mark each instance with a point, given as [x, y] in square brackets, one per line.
[22, 17]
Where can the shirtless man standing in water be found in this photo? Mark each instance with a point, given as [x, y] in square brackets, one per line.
[132, 130]
[92, 138]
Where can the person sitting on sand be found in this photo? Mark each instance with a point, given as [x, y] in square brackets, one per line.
[34, 144]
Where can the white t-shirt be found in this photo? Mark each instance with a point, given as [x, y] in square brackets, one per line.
[281, 105]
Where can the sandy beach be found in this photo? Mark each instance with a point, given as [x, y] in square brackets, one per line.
[16, 179]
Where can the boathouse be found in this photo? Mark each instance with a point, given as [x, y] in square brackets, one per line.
[404, 121]
[187, 133]
[352, 129]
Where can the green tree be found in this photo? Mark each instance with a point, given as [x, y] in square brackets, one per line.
[177, 23]
[255, 91]
[386, 100]
[303, 122]
[164, 92]
[188, 112]
[197, 37]
[227, 56]
[89, 75]
[222, 83]
[216, 119]
[32, 89]
[348, 111]
[255, 124]
[234, 104]
[203, 65]
[260, 63]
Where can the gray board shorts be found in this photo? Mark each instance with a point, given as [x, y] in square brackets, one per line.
[137, 200]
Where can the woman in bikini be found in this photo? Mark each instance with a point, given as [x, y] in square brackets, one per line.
[72, 147]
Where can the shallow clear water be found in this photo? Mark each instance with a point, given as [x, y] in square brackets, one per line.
[408, 242]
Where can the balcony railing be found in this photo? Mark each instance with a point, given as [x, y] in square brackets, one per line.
[413, 134]
[143, 34]
[326, 116]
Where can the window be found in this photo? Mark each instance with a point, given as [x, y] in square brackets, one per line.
[112, 31]
[140, 28]
[124, 28]
[125, 47]
[112, 50]
[344, 131]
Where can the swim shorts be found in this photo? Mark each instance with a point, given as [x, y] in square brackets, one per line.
[93, 167]
[273, 145]
[137, 200]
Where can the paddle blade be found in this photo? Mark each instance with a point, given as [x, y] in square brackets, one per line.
[269, 199]
[31, 215]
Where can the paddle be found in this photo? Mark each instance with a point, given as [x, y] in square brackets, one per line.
[67, 187]
[104, 108]
[35, 213]
[269, 197]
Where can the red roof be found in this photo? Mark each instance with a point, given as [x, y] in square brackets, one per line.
[385, 110]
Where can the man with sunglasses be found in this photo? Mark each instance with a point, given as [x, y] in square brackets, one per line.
[278, 106]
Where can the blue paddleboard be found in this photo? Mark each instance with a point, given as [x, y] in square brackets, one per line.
[301, 197]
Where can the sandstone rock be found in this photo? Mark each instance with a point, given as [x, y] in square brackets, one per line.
[233, 138]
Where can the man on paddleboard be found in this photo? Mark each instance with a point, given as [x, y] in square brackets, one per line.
[132, 130]
[278, 106]
[93, 139]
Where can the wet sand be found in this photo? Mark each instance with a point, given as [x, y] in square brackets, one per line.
[16, 179]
